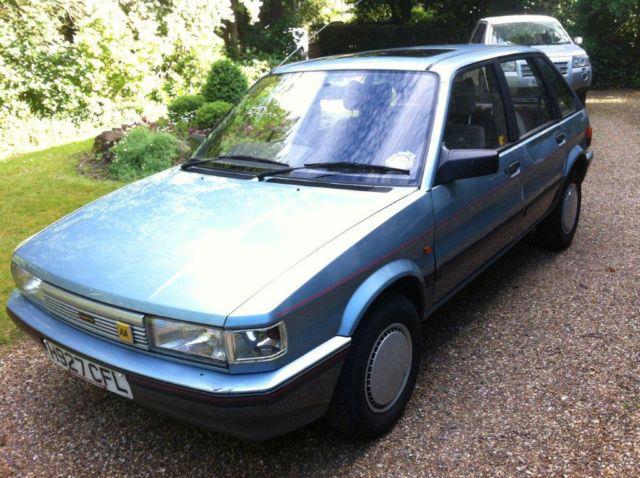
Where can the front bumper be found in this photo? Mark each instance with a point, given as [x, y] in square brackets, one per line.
[580, 78]
[250, 406]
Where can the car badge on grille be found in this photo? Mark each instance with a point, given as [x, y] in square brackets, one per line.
[86, 318]
[124, 332]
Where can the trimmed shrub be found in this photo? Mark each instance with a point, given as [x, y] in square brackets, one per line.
[143, 152]
[225, 82]
[184, 107]
[209, 114]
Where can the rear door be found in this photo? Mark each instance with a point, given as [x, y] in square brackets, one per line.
[476, 218]
[541, 136]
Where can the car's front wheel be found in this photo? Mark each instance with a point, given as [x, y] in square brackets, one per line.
[380, 371]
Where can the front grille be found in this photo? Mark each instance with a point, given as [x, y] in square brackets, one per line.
[562, 66]
[94, 317]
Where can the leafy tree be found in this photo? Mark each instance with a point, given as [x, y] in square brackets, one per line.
[386, 11]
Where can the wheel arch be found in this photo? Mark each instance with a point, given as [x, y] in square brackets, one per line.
[577, 161]
[402, 276]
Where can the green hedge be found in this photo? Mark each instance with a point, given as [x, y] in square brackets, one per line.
[350, 38]
[210, 114]
[184, 107]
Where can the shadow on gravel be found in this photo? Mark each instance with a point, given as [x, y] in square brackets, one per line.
[453, 317]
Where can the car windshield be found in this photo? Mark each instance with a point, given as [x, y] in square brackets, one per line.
[377, 120]
[529, 33]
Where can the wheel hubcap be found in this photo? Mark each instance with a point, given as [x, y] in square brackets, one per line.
[388, 368]
[569, 208]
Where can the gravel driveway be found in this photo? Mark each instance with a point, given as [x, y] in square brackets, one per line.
[534, 369]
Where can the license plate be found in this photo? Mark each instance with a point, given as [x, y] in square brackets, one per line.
[94, 373]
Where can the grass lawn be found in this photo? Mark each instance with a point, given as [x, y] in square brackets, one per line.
[37, 189]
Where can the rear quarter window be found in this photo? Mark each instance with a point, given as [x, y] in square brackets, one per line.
[567, 102]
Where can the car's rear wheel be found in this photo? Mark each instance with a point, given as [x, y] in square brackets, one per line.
[380, 371]
[556, 231]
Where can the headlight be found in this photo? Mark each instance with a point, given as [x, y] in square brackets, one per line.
[580, 61]
[257, 344]
[213, 344]
[509, 66]
[29, 285]
[190, 339]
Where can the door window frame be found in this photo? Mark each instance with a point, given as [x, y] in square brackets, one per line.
[555, 108]
[576, 101]
[491, 63]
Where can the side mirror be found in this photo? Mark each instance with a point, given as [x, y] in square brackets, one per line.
[466, 163]
[577, 40]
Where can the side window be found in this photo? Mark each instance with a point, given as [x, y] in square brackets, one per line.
[476, 118]
[530, 101]
[478, 34]
[566, 101]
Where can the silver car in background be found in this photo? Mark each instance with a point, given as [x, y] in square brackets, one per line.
[545, 34]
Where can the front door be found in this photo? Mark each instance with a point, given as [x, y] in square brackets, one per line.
[476, 218]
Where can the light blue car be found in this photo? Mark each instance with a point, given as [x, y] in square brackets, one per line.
[283, 273]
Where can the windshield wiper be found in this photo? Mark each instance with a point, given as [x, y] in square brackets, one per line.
[242, 157]
[339, 165]
[357, 167]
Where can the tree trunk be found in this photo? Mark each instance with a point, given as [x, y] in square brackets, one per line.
[233, 46]
[405, 10]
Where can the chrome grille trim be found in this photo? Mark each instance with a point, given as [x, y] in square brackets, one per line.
[526, 70]
[68, 307]
[562, 66]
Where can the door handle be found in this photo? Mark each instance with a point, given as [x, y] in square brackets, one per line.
[513, 169]
[561, 138]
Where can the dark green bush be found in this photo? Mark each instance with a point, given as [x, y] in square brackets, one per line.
[350, 38]
[184, 107]
[225, 82]
[143, 152]
[210, 114]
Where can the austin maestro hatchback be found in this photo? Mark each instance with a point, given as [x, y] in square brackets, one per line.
[283, 273]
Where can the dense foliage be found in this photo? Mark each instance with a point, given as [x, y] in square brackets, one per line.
[225, 82]
[68, 67]
[143, 151]
[210, 114]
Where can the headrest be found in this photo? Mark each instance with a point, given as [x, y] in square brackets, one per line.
[463, 102]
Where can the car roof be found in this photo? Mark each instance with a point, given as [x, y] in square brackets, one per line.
[438, 58]
[518, 18]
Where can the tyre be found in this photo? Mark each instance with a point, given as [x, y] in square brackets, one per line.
[379, 373]
[556, 231]
[582, 96]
